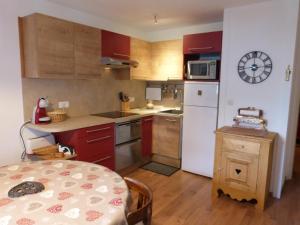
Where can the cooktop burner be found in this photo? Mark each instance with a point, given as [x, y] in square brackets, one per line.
[115, 114]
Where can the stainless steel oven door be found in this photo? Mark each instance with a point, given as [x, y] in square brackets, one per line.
[128, 131]
[128, 154]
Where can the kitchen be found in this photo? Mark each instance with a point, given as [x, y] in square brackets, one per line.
[93, 96]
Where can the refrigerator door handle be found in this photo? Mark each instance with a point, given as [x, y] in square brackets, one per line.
[199, 92]
[217, 90]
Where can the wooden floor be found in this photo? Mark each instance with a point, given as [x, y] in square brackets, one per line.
[184, 198]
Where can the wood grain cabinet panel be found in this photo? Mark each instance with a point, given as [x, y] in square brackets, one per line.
[58, 49]
[47, 46]
[167, 60]
[243, 163]
[87, 51]
[140, 51]
[166, 140]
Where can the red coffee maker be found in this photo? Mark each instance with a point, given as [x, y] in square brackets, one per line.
[39, 115]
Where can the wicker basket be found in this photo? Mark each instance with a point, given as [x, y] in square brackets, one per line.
[57, 116]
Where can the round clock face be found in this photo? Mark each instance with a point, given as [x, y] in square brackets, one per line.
[255, 67]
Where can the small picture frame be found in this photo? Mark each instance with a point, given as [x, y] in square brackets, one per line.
[251, 112]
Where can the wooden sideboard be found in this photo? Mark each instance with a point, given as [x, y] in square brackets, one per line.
[243, 164]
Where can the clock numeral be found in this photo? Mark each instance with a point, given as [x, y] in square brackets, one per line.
[268, 66]
[266, 60]
[241, 68]
[248, 56]
[267, 73]
[254, 54]
[258, 79]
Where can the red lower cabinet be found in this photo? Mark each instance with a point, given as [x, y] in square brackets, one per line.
[93, 144]
[147, 136]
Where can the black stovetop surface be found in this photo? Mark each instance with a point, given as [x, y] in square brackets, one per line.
[115, 114]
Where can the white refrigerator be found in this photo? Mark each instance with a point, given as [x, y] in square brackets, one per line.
[199, 123]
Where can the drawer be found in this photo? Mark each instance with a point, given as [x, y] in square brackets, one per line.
[240, 145]
[97, 131]
[107, 161]
[91, 149]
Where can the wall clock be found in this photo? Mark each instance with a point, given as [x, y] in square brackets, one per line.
[255, 67]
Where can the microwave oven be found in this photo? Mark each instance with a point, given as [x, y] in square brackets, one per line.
[202, 69]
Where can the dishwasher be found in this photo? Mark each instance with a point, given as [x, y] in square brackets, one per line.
[128, 149]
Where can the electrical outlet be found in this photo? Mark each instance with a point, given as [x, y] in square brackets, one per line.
[64, 104]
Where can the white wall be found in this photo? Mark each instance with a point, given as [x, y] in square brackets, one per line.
[269, 27]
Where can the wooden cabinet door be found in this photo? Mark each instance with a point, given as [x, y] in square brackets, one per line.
[55, 46]
[166, 136]
[167, 60]
[87, 51]
[147, 135]
[202, 43]
[115, 45]
[140, 51]
[239, 171]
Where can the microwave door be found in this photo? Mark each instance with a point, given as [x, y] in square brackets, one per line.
[198, 70]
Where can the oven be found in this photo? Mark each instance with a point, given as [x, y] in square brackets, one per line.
[128, 149]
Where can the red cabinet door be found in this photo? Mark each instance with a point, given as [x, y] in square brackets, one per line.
[202, 43]
[147, 136]
[115, 45]
[94, 144]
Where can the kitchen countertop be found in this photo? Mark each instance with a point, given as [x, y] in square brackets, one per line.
[72, 123]
[75, 123]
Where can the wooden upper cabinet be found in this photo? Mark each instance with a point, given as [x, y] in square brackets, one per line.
[115, 45]
[167, 60]
[87, 51]
[202, 43]
[48, 46]
[55, 48]
[140, 51]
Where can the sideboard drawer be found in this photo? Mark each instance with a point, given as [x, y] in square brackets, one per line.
[241, 145]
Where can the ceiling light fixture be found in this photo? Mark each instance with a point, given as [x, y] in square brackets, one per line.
[155, 19]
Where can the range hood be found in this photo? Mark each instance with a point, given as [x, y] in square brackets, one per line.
[118, 63]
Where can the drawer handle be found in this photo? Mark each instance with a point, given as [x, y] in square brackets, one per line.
[96, 130]
[103, 159]
[123, 55]
[170, 120]
[98, 139]
[241, 146]
[202, 48]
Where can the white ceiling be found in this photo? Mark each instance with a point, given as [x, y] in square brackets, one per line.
[139, 14]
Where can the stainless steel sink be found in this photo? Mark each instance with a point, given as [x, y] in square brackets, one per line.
[172, 111]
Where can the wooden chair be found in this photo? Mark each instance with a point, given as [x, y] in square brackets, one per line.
[143, 209]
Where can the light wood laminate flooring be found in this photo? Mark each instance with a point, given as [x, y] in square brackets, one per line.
[185, 199]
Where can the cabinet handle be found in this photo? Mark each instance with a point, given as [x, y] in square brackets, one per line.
[202, 48]
[170, 120]
[96, 130]
[98, 139]
[103, 159]
[123, 55]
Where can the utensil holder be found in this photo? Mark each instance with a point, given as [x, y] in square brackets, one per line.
[125, 106]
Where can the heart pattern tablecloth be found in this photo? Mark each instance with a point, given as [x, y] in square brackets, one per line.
[76, 193]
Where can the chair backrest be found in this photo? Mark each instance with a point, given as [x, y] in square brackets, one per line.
[143, 211]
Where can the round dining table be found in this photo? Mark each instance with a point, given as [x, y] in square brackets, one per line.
[75, 193]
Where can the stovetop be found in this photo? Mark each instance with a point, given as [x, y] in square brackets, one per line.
[115, 114]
